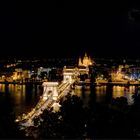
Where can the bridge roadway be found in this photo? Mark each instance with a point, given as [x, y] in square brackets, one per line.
[63, 89]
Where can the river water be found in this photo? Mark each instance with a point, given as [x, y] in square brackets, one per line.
[22, 98]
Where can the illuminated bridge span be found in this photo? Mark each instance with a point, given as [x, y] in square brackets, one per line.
[52, 93]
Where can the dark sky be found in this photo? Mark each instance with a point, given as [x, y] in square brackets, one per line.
[64, 29]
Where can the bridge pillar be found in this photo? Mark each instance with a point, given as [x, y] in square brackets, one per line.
[50, 90]
[67, 77]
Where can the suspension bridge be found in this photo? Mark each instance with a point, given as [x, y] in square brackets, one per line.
[52, 93]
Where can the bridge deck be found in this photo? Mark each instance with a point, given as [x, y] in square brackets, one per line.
[63, 89]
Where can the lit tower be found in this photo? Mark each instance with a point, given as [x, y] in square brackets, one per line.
[80, 62]
[90, 61]
[50, 90]
[86, 60]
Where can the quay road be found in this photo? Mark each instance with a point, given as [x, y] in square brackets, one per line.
[100, 82]
[119, 83]
[21, 82]
[115, 83]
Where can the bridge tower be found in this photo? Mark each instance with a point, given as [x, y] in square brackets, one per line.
[50, 90]
[67, 77]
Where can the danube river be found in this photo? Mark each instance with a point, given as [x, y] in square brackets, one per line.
[22, 98]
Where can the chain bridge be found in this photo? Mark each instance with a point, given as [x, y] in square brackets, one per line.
[52, 93]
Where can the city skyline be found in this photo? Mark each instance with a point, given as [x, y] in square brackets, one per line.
[69, 70]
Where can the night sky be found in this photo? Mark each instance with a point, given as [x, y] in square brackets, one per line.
[64, 29]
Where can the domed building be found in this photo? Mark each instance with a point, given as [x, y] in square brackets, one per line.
[86, 61]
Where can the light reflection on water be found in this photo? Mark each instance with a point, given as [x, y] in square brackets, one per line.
[22, 97]
[119, 91]
[25, 97]
[2, 87]
[102, 91]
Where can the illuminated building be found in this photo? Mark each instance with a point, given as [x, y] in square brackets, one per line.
[86, 61]
[20, 74]
[80, 62]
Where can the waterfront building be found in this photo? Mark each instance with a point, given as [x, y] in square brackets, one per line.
[20, 74]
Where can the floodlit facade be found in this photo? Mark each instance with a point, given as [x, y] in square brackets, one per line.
[86, 61]
[50, 90]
